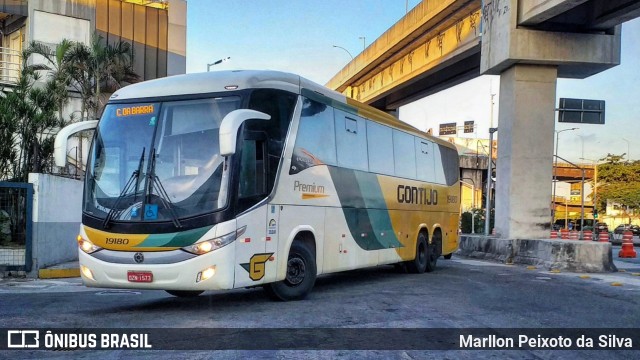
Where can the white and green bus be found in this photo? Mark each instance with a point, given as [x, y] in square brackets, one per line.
[235, 179]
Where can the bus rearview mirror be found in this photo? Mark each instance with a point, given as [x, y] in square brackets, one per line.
[230, 125]
[60, 144]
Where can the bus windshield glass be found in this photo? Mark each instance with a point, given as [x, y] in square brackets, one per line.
[157, 161]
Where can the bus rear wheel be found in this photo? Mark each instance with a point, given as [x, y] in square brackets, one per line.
[419, 264]
[433, 251]
[300, 278]
[185, 293]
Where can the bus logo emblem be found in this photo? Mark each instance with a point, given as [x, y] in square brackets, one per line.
[138, 257]
[255, 267]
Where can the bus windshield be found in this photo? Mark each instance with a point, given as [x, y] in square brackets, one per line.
[157, 161]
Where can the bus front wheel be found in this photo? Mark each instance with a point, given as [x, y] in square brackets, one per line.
[300, 278]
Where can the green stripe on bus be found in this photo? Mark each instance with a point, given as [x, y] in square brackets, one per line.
[177, 239]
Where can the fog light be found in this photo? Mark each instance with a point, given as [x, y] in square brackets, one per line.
[206, 274]
[87, 272]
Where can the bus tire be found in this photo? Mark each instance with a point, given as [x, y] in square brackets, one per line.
[433, 251]
[419, 264]
[185, 293]
[300, 277]
[448, 256]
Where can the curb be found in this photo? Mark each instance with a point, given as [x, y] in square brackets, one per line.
[58, 273]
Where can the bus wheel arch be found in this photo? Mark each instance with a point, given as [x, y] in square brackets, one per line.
[301, 270]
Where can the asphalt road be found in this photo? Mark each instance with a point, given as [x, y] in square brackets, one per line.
[461, 293]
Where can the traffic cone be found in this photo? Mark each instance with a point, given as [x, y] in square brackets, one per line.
[587, 235]
[627, 250]
[603, 236]
[573, 235]
[554, 234]
[564, 234]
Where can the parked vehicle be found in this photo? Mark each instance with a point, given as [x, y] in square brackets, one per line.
[602, 227]
[635, 229]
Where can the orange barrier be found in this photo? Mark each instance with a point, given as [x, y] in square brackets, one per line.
[627, 250]
[587, 235]
[574, 235]
[554, 234]
[564, 234]
[603, 236]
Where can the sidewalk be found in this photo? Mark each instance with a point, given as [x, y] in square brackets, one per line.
[64, 270]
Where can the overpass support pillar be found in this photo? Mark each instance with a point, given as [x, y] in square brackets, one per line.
[526, 118]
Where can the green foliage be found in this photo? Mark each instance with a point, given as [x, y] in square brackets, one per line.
[479, 219]
[32, 111]
[618, 181]
[28, 112]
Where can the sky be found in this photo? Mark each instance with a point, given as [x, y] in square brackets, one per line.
[299, 37]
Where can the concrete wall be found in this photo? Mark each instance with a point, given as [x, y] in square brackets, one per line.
[57, 211]
[569, 255]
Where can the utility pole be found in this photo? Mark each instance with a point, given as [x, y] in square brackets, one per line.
[487, 216]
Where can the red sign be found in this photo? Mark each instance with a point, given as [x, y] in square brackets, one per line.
[140, 276]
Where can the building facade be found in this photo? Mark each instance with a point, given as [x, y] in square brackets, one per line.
[155, 29]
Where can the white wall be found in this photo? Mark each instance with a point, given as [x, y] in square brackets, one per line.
[57, 212]
[65, 27]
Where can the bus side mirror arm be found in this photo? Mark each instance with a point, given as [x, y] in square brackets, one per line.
[230, 125]
[60, 145]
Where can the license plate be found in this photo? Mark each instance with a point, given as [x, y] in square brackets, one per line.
[140, 276]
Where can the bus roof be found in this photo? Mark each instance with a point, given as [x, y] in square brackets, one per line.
[223, 81]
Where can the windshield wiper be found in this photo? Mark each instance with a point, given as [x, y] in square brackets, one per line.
[135, 176]
[162, 193]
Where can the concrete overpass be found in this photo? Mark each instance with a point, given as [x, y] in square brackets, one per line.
[530, 43]
[438, 45]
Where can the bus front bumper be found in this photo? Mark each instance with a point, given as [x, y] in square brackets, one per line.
[183, 275]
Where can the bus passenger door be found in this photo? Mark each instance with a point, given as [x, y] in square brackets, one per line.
[251, 254]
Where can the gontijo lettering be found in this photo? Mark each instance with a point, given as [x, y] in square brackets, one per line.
[135, 110]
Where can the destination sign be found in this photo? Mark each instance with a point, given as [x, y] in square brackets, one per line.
[135, 110]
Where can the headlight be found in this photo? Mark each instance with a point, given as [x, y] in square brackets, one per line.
[206, 246]
[86, 245]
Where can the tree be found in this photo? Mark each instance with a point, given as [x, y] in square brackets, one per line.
[28, 117]
[33, 110]
[618, 181]
[57, 65]
[93, 71]
[96, 68]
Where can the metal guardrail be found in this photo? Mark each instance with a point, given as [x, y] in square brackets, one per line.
[10, 65]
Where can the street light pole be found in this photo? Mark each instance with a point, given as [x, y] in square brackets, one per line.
[628, 150]
[347, 51]
[487, 211]
[217, 62]
[555, 178]
[364, 42]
